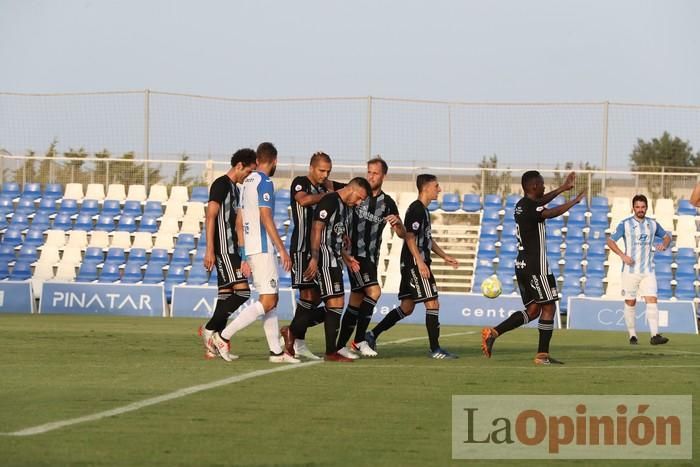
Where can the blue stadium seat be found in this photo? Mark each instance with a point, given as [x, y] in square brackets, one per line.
[507, 284]
[7, 206]
[4, 271]
[665, 256]
[574, 250]
[200, 276]
[202, 241]
[127, 223]
[487, 250]
[11, 189]
[35, 236]
[664, 293]
[94, 253]
[200, 194]
[574, 233]
[509, 249]
[686, 253]
[493, 201]
[471, 202]
[284, 195]
[111, 207]
[599, 220]
[553, 231]
[132, 208]
[686, 209]
[664, 273]
[213, 281]
[489, 233]
[110, 272]
[595, 270]
[3, 222]
[69, 206]
[12, 236]
[509, 231]
[153, 209]
[176, 276]
[47, 205]
[181, 256]
[185, 240]
[90, 207]
[596, 251]
[154, 273]
[137, 255]
[198, 255]
[25, 206]
[159, 256]
[286, 278]
[21, 271]
[599, 204]
[87, 271]
[509, 215]
[576, 219]
[148, 224]
[491, 216]
[578, 209]
[63, 221]
[685, 270]
[572, 285]
[558, 201]
[512, 200]
[596, 234]
[116, 255]
[7, 253]
[554, 249]
[105, 223]
[20, 220]
[42, 221]
[433, 206]
[132, 273]
[593, 289]
[450, 202]
[53, 191]
[685, 290]
[556, 223]
[83, 222]
[506, 263]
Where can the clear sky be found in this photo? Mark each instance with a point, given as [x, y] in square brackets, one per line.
[507, 50]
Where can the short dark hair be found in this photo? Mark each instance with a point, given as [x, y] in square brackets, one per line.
[528, 177]
[379, 160]
[245, 156]
[319, 156]
[267, 152]
[640, 198]
[424, 179]
[362, 183]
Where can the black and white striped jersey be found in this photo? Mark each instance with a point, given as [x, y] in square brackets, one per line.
[225, 192]
[532, 240]
[417, 222]
[333, 214]
[302, 216]
[366, 224]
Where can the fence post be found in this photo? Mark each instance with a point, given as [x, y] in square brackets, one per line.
[662, 182]
[606, 109]
[590, 186]
[106, 171]
[146, 133]
[369, 127]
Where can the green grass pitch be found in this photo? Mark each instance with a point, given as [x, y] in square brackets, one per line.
[394, 410]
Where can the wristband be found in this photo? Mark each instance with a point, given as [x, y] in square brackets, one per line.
[241, 252]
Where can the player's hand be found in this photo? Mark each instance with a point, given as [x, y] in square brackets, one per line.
[627, 260]
[311, 270]
[451, 261]
[346, 242]
[353, 264]
[392, 220]
[660, 247]
[328, 183]
[580, 196]
[209, 259]
[569, 182]
[424, 270]
[285, 260]
[245, 269]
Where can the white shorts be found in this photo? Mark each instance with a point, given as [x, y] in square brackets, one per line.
[638, 285]
[263, 266]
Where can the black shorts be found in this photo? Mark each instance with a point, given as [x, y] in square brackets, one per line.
[300, 261]
[536, 288]
[365, 277]
[228, 269]
[330, 281]
[416, 287]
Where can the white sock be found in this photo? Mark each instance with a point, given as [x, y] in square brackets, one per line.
[272, 331]
[629, 320]
[653, 318]
[299, 343]
[244, 319]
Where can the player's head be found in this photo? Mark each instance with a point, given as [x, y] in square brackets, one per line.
[533, 183]
[359, 190]
[376, 171]
[267, 158]
[428, 184]
[320, 167]
[243, 162]
[639, 206]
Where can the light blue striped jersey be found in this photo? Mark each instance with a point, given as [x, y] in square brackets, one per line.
[258, 192]
[639, 242]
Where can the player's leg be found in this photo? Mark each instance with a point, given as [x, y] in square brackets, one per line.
[330, 282]
[648, 289]
[367, 305]
[365, 287]
[630, 286]
[407, 296]
[350, 317]
[432, 325]
[546, 329]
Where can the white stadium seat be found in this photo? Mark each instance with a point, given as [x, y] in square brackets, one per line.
[142, 240]
[95, 191]
[116, 191]
[179, 193]
[158, 193]
[74, 191]
[99, 239]
[136, 193]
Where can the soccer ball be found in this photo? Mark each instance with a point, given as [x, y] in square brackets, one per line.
[491, 287]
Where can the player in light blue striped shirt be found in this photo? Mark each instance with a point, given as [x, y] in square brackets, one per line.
[638, 276]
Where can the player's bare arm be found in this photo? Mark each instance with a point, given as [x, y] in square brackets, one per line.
[566, 186]
[397, 226]
[441, 253]
[312, 268]
[245, 267]
[557, 211]
[695, 196]
[209, 222]
[308, 199]
[612, 244]
[664, 243]
[267, 221]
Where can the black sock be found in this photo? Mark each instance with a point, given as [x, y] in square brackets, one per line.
[318, 314]
[347, 325]
[226, 304]
[546, 328]
[331, 324]
[515, 320]
[366, 312]
[393, 317]
[432, 324]
[300, 322]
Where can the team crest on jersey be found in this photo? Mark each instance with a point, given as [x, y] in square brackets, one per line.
[518, 210]
[415, 225]
[297, 188]
[539, 208]
[339, 228]
[273, 283]
[323, 214]
[336, 287]
[266, 196]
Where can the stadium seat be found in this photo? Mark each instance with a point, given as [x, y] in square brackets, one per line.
[164, 240]
[105, 223]
[90, 207]
[664, 293]
[148, 224]
[190, 226]
[10, 189]
[450, 202]
[599, 219]
[65, 271]
[198, 255]
[179, 194]
[42, 273]
[510, 231]
[3, 222]
[153, 209]
[687, 231]
[175, 276]
[200, 276]
[116, 191]
[554, 249]
[77, 238]
[111, 207]
[185, 241]
[142, 240]
[195, 210]
[21, 271]
[132, 208]
[593, 289]
[99, 238]
[110, 272]
[686, 209]
[120, 239]
[72, 255]
[127, 223]
[62, 221]
[7, 253]
[169, 226]
[34, 237]
[25, 206]
[213, 278]
[174, 209]
[69, 206]
[553, 232]
[20, 221]
[158, 193]
[574, 250]
[95, 191]
[136, 193]
[74, 191]
[663, 213]
[12, 236]
[42, 220]
[116, 255]
[94, 253]
[53, 191]
[83, 222]
[137, 255]
[471, 202]
[153, 274]
[159, 256]
[599, 203]
[664, 273]
[576, 220]
[491, 216]
[571, 286]
[48, 206]
[493, 201]
[574, 233]
[685, 290]
[596, 251]
[512, 200]
[487, 249]
[285, 278]
[201, 194]
[132, 273]
[7, 206]
[181, 256]
[489, 233]
[55, 237]
[686, 253]
[4, 271]
[87, 271]
[31, 190]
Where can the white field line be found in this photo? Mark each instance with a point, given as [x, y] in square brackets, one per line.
[524, 366]
[39, 429]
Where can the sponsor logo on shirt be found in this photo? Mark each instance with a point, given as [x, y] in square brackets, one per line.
[323, 214]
